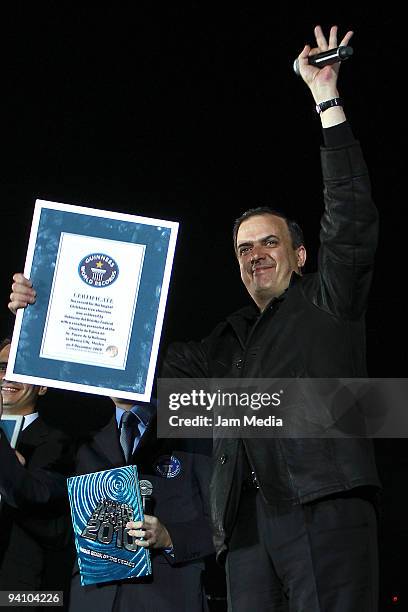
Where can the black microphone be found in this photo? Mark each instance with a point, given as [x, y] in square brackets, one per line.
[146, 490]
[326, 58]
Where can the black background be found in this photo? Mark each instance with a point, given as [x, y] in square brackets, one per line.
[192, 113]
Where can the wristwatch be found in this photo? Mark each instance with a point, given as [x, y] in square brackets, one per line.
[320, 108]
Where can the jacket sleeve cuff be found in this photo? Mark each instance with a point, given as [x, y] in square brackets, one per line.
[191, 541]
[338, 136]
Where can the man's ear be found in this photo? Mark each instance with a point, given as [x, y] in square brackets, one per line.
[42, 390]
[301, 256]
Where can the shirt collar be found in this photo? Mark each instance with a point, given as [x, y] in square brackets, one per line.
[144, 412]
[29, 418]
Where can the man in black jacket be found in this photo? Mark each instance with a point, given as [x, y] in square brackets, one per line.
[35, 536]
[294, 516]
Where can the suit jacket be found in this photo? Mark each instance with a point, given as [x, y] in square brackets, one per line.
[180, 501]
[35, 520]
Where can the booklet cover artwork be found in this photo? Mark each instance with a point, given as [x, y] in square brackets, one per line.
[101, 505]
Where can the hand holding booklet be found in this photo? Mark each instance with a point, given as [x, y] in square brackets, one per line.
[102, 503]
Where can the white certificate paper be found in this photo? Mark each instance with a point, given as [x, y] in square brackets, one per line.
[91, 308]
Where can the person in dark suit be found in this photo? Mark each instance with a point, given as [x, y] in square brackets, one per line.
[34, 514]
[176, 527]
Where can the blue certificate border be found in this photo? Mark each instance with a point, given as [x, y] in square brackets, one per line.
[156, 239]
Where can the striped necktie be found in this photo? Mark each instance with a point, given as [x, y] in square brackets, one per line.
[129, 430]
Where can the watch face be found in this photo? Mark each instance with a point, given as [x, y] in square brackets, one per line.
[318, 109]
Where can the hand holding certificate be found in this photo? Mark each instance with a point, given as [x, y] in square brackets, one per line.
[101, 280]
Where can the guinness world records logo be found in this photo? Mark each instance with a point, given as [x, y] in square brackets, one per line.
[167, 466]
[98, 270]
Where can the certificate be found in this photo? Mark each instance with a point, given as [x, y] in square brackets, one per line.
[102, 281]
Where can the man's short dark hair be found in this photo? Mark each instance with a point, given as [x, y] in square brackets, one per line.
[4, 343]
[294, 228]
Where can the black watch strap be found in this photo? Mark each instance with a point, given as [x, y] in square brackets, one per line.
[320, 108]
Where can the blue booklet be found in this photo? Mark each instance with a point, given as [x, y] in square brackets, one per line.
[101, 505]
[11, 425]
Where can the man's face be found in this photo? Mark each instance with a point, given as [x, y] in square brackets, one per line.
[266, 257]
[18, 398]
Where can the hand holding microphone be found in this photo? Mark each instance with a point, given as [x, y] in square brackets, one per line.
[311, 66]
[326, 58]
[327, 51]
